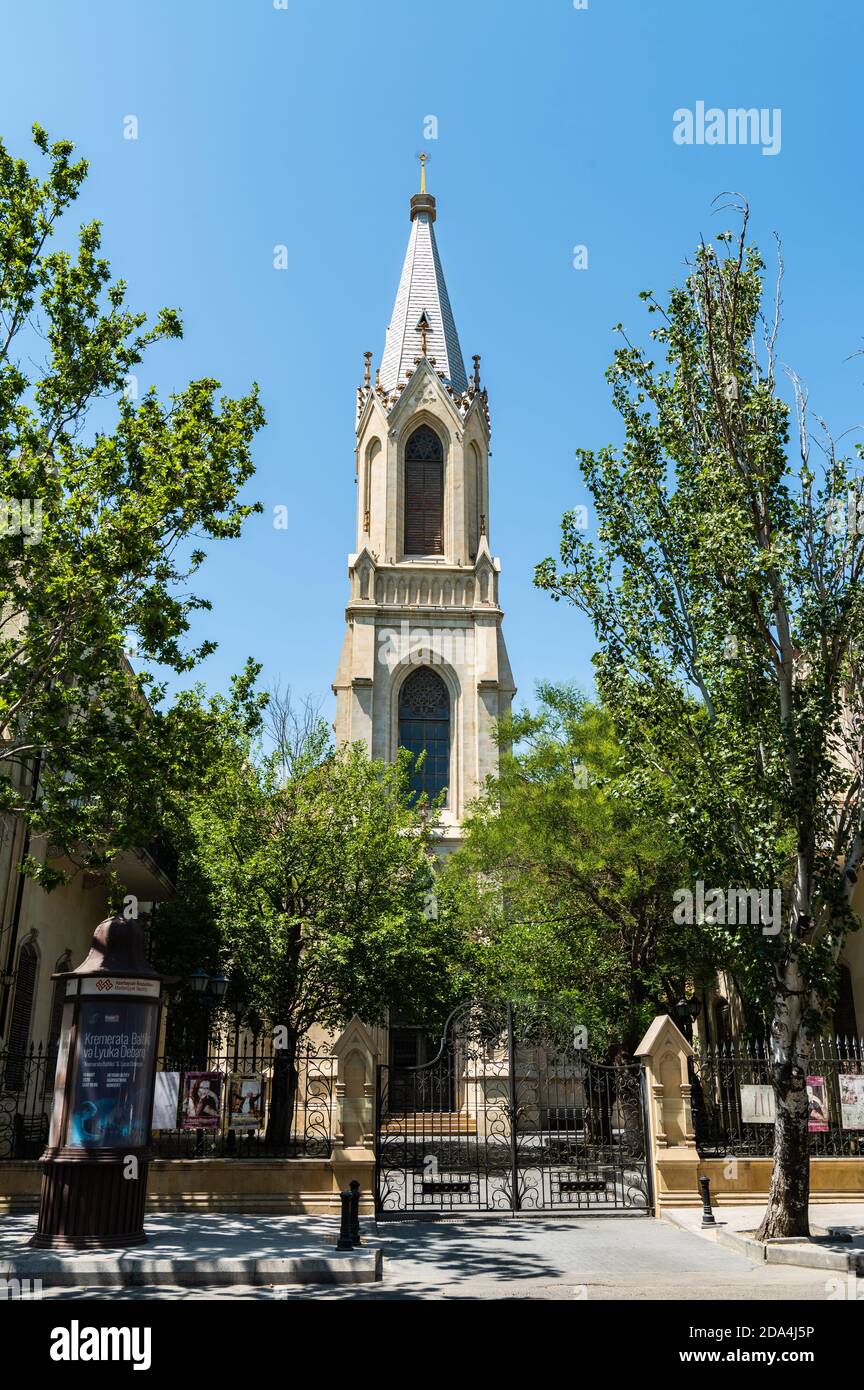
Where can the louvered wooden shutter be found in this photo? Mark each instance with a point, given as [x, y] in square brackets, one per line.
[424, 494]
[415, 515]
[22, 1009]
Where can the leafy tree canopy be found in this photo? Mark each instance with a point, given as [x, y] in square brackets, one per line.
[724, 586]
[105, 495]
[571, 880]
[313, 880]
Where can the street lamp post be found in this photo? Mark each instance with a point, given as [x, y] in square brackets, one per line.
[94, 1170]
[210, 990]
[687, 1011]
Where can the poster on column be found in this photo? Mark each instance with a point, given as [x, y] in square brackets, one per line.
[852, 1101]
[115, 1043]
[757, 1105]
[817, 1105]
[246, 1101]
[166, 1099]
[201, 1103]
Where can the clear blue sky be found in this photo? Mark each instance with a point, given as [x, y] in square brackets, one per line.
[299, 126]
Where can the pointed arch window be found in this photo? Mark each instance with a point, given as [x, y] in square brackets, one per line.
[424, 727]
[424, 493]
[475, 477]
[22, 1010]
[372, 453]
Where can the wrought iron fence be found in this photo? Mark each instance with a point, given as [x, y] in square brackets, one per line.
[26, 1089]
[733, 1102]
[216, 1106]
[226, 1109]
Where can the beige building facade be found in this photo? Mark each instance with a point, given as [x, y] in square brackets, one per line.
[41, 933]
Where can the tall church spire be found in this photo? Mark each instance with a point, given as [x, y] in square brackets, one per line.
[422, 310]
[424, 664]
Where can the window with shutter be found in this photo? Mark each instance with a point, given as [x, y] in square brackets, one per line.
[424, 493]
[22, 1010]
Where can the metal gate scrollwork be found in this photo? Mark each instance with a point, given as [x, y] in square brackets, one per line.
[510, 1116]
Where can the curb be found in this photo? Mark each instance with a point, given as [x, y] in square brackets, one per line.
[753, 1249]
[123, 1270]
[788, 1253]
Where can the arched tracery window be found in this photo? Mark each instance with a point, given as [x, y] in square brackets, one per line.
[424, 493]
[424, 727]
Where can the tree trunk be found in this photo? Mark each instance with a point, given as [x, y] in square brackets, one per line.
[283, 1095]
[789, 1195]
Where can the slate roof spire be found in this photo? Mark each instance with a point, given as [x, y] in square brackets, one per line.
[422, 309]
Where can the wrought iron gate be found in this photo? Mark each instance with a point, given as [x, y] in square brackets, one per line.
[512, 1115]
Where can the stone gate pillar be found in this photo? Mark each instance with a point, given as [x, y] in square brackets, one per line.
[665, 1052]
[353, 1152]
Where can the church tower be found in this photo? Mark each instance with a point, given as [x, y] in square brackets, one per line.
[423, 662]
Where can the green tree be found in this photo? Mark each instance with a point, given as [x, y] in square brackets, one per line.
[569, 880]
[104, 497]
[185, 929]
[725, 591]
[319, 878]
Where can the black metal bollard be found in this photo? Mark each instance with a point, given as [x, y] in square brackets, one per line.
[354, 1187]
[707, 1213]
[345, 1242]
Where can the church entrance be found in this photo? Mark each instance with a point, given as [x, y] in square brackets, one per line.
[508, 1113]
[411, 1050]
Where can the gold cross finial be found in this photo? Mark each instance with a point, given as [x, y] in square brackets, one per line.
[423, 157]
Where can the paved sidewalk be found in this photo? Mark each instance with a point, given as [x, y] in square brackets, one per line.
[197, 1249]
[735, 1227]
[582, 1258]
[846, 1215]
